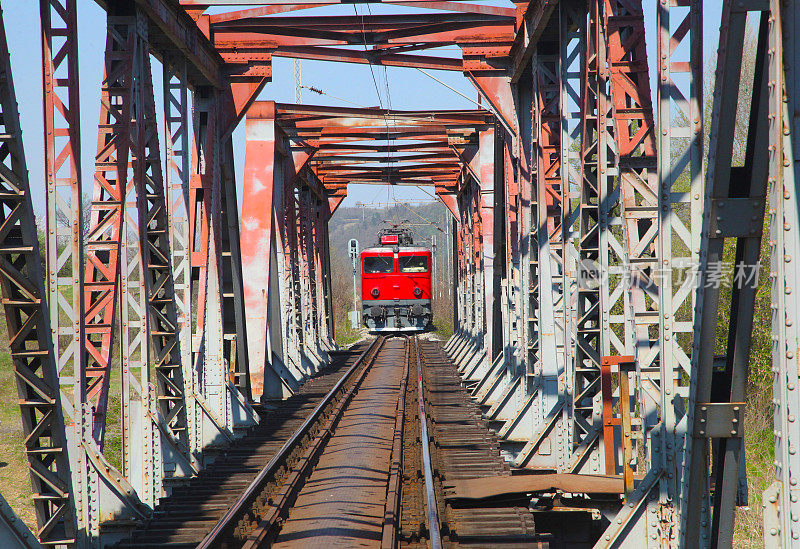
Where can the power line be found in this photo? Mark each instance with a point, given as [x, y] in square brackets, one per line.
[377, 91]
[320, 92]
[450, 87]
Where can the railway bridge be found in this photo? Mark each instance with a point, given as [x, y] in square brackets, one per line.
[589, 389]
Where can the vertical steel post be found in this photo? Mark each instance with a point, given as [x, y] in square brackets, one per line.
[485, 195]
[784, 146]
[164, 351]
[30, 338]
[64, 198]
[176, 182]
[733, 208]
[105, 233]
[680, 175]
[548, 226]
[591, 340]
[232, 282]
[636, 141]
[260, 240]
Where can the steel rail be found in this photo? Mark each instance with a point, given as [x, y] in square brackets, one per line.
[391, 515]
[216, 537]
[430, 491]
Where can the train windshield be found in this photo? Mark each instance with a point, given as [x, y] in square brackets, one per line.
[413, 264]
[378, 264]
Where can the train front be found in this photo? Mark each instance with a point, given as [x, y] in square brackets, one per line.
[396, 286]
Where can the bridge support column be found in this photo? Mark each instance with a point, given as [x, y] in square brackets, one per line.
[263, 181]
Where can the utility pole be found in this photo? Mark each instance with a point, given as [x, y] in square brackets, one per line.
[298, 82]
[434, 272]
[355, 316]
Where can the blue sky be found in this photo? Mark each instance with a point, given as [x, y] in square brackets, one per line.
[408, 88]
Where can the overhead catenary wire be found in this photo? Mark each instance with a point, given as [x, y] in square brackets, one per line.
[420, 216]
[320, 92]
[449, 87]
[377, 91]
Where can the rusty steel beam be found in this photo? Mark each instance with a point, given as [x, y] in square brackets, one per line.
[273, 8]
[105, 233]
[534, 20]
[173, 33]
[164, 351]
[635, 137]
[62, 158]
[28, 323]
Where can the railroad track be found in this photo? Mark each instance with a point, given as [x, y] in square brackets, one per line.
[189, 513]
[461, 446]
[363, 465]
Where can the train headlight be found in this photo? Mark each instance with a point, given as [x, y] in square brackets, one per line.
[375, 292]
[417, 292]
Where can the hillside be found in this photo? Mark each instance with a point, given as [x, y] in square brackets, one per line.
[430, 222]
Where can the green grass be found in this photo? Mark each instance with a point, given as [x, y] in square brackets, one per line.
[14, 477]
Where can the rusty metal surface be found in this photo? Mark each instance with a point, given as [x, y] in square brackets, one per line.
[184, 518]
[493, 486]
[342, 501]
[463, 448]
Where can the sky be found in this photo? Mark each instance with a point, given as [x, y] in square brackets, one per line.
[407, 88]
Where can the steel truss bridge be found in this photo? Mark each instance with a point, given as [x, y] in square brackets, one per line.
[580, 196]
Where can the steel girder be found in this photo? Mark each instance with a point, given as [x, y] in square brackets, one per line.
[548, 445]
[592, 256]
[634, 131]
[30, 336]
[164, 351]
[781, 501]
[107, 212]
[680, 174]
[232, 284]
[263, 177]
[64, 198]
[222, 410]
[14, 534]
[177, 131]
[285, 260]
[743, 187]
[248, 39]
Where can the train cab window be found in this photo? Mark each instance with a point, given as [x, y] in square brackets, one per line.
[413, 264]
[378, 264]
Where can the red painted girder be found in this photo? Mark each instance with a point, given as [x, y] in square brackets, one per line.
[175, 24]
[532, 20]
[256, 238]
[549, 146]
[272, 8]
[329, 148]
[432, 157]
[391, 175]
[105, 233]
[456, 6]
[361, 57]
[354, 23]
[384, 173]
[406, 164]
[630, 84]
[497, 90]
[380, 131]
[334, 202]
[306, 127]
[284, 109]
[203, 4]
[237, 99]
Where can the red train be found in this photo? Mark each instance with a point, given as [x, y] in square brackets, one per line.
[396, 284]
